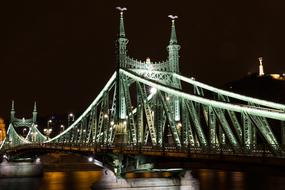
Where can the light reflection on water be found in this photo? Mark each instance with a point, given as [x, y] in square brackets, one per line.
[69, 180]
[208, 180]
[79, 180]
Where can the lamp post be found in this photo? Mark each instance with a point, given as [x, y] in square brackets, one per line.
[70, 119]
[48, 130]
[62, 128]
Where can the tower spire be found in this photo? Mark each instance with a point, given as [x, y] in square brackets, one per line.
[173, 38]
[122, 27]
[12, 112]
[122, 40]
[35, 112]
[173, 61]
[35, 106]
[173, 47]
[12, 106]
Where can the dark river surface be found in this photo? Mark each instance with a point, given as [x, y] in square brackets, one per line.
[205, 179]
[59, 176]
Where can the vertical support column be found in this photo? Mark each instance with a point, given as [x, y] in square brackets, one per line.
[176, 109]
[185, 125]
[212, 125]
[94, 125]
[106, 122]
[283, 133]
[122, 100]
[197, 124]
[247, 130]
[254, 139]
[140, 127]
[159, 120]
[222, 136]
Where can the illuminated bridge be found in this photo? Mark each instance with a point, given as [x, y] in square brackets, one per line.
[148, 111]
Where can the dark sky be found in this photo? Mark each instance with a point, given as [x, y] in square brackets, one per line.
[61, 53]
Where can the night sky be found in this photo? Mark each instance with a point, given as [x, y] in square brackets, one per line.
[61, 53]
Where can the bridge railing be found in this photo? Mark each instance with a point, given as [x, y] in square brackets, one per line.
[168, 150]
[254, 150]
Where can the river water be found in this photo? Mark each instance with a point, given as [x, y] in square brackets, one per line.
[204, 179]
[64, 171]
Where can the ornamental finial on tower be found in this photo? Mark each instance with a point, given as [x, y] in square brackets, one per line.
[35, 106]
[12, 106]
[173, 39]
[122, 28]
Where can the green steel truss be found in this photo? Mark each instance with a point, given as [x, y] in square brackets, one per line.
[144, 103]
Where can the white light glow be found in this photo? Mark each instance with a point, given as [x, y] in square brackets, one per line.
[153, 90]
[90, 159]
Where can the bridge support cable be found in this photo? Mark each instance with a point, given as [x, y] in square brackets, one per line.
[264, 128]
[100, 124]
[34, 135]
[106, 117]
[90, 126]
[269, 113]
[160, 119]
[94, 124]
[146, 135]
[187, 133]
[13, 138]
[77, 133]
[226, 128]
[197, 124]
[149, 116]
[171, 120]
[233, 118]
[113, 117]
[94, 103]
[230, 94]
[139, 114]
[85, 131]
[210, 118]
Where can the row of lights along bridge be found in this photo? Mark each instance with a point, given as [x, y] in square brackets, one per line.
[53, 125]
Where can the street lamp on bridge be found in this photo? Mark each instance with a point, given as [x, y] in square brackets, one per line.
[70, 119]
[62, 128]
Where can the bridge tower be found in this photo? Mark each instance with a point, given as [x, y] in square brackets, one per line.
[173, 58]
[122, 42]
[12, 112]
[158, 71]
[29, 129]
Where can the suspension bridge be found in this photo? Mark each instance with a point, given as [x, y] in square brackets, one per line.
[149, 110]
